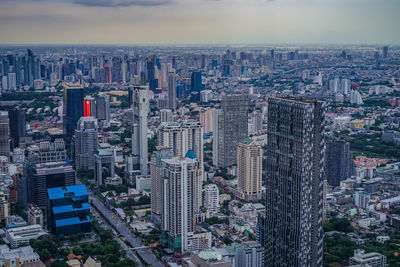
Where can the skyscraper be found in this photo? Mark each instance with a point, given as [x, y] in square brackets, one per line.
[183, 138]
[86, 143]
[339, 164]
[172, 90]
[249, 169]
[178, 201]
[18, 125]
[140, 106]
[4, 134]
[230, 127]
[294, 182]
[73, 108]
[44, 176]
[116, 69]
[385, 51]
[156, 166]
[196, 82]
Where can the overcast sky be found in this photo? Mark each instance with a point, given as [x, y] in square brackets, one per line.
[199, 21]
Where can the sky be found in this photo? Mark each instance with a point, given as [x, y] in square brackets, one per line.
[200, 22]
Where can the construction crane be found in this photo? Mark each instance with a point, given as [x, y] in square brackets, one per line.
[203, 236]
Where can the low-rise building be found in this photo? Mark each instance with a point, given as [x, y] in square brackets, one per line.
[20, 257]
[374, 259]
[22, 235]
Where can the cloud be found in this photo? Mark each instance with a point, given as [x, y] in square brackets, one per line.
[122, 3]
[114, 3]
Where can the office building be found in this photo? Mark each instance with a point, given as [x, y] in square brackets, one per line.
[385, 52]
[179, 194]
[89, 107]
[196, 81]
[230, 127]
[183, 137]
[140, 109]
[104, 166]
[18, 125]
[4, 207]
[73, 108]
[247, 254]
[19, 257]
[372, 259]
[294, 182]
[44, 176]
[4, 134]
[21, 235]
[361, 199]
[339, 164]
[172, 90]
[86, 143]
[68, 210]
[52, 152]
[211, 199]
[249, 169]
[103, 109]
[156, 167]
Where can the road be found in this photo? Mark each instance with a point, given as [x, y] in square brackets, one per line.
[122, 228]
[131, 255]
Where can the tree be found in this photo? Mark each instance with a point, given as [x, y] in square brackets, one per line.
[227, 239]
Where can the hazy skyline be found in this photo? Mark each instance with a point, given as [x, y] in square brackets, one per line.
[199, 21]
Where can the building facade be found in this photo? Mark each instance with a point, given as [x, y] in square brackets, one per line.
[294, 182]
[140, 106]
[86, 143]
[249, 169]
[68, 210]
[230, 127]
[338, 164]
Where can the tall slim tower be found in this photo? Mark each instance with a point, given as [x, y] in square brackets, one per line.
[18, 125]
[86, 143]
[140, 108]
[172, 90]
[294, 184]
[249, 169]
[230, 127]
[156, 167]
[338, 162]
[178, 200]
[73, 108]
[4, 134]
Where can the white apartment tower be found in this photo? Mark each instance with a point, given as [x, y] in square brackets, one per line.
[211, 199]
[183, 138]
[140, 108]
[179, 195]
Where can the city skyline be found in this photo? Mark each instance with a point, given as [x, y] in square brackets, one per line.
[199, 22]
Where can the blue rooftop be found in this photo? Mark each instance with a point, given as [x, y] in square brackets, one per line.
[69, 208]
[71, 221]
[63, 192]
[190, 154]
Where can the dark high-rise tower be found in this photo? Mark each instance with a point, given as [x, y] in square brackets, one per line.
[196, 83]
[385, 51]
[73, 108]
[339, 164]
[230, 127]
[294, 183]
[4, 134]
[18, 125]
[172, 90]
